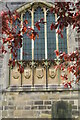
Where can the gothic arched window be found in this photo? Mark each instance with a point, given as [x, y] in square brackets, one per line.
[16, 49]
[51, 36]
[44, 46]
[39, 44]
[27, 50]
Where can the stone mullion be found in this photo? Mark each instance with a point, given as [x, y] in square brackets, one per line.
[57, 48]
[32, 16]
[32, 13]
[45, 31]
[67, 29]
[21, 49]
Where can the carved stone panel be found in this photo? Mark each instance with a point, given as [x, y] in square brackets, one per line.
[52, 76]
[27, 76]
[15, 77]
[40, 76]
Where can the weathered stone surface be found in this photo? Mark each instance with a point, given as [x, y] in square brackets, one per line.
[75, 112]
[4, 103]
[4, 113]
[38, 102]
[48, 107]
[28, 107]
[42, 107]
[74, 107]
[34, 107]
[47, 102]
[17, 113]
[46, 112]
[24, 105]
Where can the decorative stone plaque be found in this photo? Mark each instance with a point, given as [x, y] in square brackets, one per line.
[16, 74]
[52, 73]
[27, 73]
[40, 72]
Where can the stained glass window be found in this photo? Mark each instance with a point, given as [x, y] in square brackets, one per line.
[27, 52]
[39, 44]
[51, 36]
[62, 42]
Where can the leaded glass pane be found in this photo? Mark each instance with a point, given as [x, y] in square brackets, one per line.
[51, 36]
[27, 52]
[62, 42]
[39, 44]
[16, 48]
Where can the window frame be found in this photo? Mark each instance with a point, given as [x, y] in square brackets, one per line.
[31, 10]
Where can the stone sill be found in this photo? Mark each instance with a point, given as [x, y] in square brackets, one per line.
[38, 89]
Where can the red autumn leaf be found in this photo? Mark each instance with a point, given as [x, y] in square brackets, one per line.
[10, 62]
[65, 85]
[13, 63]
[41, 21]
[62, 77]
[2, 13]
[37, 26]
[59, 31]
[32, 36]
[3, 50]
[65, 57]
[24, 29]
[26, 21]
[15, 17]
[61, 35]
[21, 69]
[74, 26]
[56, 52]
[52, 26]
[69, 83]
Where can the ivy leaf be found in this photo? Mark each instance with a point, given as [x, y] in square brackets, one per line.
[3, 49]
[26, 21]
[61, 35]
[37, 26]
[52, 26]
[56, 52]
[21, 69]
[24, 29]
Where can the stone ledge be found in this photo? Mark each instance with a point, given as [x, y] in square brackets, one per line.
[33, 89]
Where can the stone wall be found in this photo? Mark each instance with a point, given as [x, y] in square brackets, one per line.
[36, 104]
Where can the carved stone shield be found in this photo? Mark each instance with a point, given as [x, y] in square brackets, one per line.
[16, 74]
[40, 72]
[52, 73]
[27, 73]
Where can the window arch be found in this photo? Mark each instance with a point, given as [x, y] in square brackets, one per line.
[39, 44]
